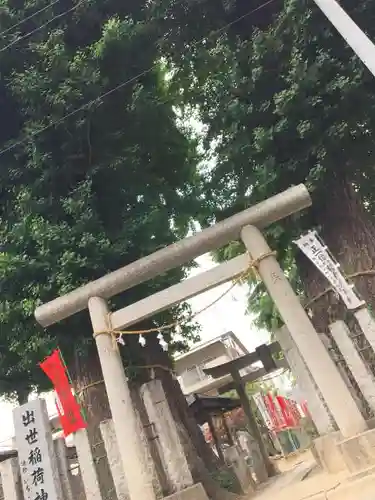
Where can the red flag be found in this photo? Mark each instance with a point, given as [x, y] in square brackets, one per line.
[285, 409]
[68, 409]
[272, 412]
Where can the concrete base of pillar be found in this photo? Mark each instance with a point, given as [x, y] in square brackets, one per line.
[358, 451]
[327, 454]
[195, 492]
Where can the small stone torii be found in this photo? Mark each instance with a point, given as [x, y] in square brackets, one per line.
[245, 225]
[233, 367]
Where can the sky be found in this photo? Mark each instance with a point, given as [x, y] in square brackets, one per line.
[228, 314]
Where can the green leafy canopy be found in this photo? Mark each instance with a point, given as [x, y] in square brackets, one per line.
[284, 100]
[94, 191]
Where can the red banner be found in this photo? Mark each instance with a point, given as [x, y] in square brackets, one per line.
[283, 412]
[286, 409]
[68, 409]
[277, 423]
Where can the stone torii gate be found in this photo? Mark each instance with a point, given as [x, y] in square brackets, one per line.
[245, 225]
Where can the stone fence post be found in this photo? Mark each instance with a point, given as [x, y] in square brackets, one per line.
[318, 411]
[171, 449]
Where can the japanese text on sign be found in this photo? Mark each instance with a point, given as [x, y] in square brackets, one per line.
[314, 249]
[35, 452]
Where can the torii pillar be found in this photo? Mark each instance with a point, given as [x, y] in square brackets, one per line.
[334, 390]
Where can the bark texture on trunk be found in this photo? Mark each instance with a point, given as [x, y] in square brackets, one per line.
[87, 378]
[349, 232]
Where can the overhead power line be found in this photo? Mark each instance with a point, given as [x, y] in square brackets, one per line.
[14, 26]
[121, 85]
[27, 35]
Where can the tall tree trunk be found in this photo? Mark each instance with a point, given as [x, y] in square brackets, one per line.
[349, 232]
[87, 378]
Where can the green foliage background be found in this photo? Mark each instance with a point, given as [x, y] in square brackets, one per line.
[282, 98]
[83, 195]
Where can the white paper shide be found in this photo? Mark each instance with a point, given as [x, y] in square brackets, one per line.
[311, 245]
[38, 466]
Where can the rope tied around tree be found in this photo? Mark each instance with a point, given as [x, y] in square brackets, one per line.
[138, 367]
[366, 272]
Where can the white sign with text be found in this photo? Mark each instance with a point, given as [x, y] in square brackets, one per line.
[38, 466]
[319, 255]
